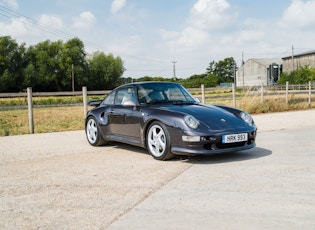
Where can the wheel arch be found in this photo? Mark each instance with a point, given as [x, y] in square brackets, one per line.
[93, 135]
[146, 130]
[168, 124]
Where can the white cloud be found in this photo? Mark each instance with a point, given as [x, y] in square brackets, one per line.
[117, 5]
[167, 35]
[251, 36]
[191, 36]
[199, 40]
[209, 14]
[25, 30]
[127, 45]
[10, 3]
[84, 20]
[50, 20]
[206, 18]
[17, 27]
[299, 14]
[253, 31]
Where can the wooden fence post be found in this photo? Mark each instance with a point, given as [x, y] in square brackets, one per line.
[203, 94]
[85, 106]
[309, 93]
[262, 93]
[287, 93]
[30, 110]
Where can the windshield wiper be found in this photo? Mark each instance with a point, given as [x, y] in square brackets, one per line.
[179, 102]
[157, 102]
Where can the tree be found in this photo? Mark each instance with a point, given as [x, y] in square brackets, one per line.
[50, 65]
[211, 68]
[223, 70]
[148, 78]
[11, 64]
[50, 71]
[195, 81]
[74, 55]
[105, 71]
[301, 75]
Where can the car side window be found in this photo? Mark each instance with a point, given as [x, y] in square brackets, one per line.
[124, 95]
[109, 100]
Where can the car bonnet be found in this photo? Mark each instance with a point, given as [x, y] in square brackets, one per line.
[215, 118]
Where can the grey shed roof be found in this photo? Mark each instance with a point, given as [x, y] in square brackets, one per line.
[267, 61]
[301, 54]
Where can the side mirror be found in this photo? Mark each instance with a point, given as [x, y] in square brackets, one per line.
[197, 100]
[129, 104]
[94, 103]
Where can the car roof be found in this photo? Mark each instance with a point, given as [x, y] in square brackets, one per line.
[146, 82]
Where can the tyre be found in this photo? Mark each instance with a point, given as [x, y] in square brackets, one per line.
[158, 141]
[93, 133]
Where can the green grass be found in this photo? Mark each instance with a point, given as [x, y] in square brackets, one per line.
[54, 119]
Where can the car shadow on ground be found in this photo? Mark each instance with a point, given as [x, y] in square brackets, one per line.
[251, 154]
[124, 146]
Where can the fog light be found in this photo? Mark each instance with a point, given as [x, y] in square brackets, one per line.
[191, 138]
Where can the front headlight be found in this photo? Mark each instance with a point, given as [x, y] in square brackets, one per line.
[247, 118]
[191, 121]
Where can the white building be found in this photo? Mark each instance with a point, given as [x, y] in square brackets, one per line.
[259, 71]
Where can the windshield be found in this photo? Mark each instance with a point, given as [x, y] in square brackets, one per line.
[163, 93]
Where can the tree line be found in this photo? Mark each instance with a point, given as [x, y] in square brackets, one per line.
[217, 73]
[50, 66]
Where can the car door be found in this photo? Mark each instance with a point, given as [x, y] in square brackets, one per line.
[125, 121]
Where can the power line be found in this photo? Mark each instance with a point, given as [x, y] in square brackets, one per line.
[31, 22]
[57, 32]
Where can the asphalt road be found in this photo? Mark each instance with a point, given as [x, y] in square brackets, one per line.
[58, 181]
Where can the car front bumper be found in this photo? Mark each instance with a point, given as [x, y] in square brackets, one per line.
[208, 144]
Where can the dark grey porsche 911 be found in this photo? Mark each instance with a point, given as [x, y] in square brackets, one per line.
[167, 120]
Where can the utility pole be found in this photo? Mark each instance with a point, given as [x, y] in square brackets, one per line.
[234, 74]
[72, 75]
[243, 69]
[174, 70]
[292, 58]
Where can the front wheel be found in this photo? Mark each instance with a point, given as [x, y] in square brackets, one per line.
[92, 132]
[158, 141]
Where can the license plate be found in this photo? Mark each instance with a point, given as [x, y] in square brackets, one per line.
[232, 138]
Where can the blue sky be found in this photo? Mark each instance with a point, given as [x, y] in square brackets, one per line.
[150, 35]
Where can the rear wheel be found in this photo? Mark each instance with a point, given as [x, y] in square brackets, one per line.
[159, 142]
[92, 132]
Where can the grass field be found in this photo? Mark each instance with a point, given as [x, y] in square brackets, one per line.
[53, 119]
[66, 118]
